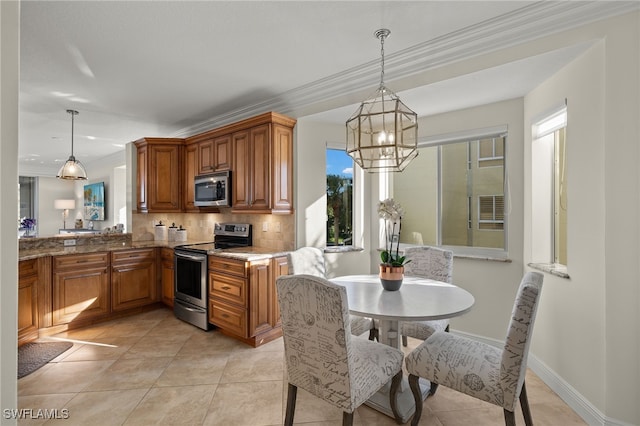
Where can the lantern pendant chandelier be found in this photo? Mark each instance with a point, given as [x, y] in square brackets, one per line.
[72, 169]
[382, 135]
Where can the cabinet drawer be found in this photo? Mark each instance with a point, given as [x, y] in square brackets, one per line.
[82, 260]
[130, 256]
[227, 266]
[228, 317]
[230, 288]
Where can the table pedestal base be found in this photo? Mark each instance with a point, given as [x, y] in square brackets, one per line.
[380, 401]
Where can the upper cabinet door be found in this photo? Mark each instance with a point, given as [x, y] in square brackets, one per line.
[206, 157]
[222, 153]
[160, 179]
[260, 167]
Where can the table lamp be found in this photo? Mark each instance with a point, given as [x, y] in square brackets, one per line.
[65, 206]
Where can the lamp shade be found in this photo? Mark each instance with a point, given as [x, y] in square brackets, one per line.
[72, 170]
[64, 204]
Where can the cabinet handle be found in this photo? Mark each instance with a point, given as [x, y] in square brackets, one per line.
[225, 287]
[225, 316]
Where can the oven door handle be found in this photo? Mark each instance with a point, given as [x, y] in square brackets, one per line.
[194, 257]
[187, 308]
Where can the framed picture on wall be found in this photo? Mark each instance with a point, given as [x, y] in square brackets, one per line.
[94, 201]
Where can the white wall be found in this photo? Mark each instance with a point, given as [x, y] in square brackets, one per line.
[50, 219]
[591, 322]
[310, 200]
[9, 80]
[110, 171]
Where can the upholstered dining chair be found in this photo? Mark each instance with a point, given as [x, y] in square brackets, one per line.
[321, 355]
[427, 262]
[310, 261]
[492, 374]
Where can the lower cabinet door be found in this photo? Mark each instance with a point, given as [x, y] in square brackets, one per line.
[133, 285]
[80, 294]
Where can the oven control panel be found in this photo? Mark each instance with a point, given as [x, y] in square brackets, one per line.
[232, 229]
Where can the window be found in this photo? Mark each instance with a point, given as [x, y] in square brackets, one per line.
[549, 189]
[453, 194]
[491, 212]
[339, 198]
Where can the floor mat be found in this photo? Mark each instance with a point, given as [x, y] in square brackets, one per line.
[34, 355]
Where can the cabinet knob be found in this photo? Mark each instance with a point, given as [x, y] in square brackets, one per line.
[225, 287]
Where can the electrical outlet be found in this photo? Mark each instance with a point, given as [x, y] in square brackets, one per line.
[68, 243]
[278, 226]
[265, 226]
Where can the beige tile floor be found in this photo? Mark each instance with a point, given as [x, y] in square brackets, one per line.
[152, 369]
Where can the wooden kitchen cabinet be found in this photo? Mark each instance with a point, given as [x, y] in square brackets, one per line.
[242, 298]
[167, 278]
[159, 184]
[263, 165]
[189, 177]
[280, 266]
[133, 278]
[214, 155]
[80, 287]
[27, 301]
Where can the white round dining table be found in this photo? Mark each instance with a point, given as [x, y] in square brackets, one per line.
[418, 299]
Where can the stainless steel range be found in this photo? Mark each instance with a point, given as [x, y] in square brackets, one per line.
[190, 302]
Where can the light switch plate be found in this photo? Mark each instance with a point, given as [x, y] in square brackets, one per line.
[68, 243]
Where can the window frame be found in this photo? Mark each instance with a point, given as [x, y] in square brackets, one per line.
[470, 136]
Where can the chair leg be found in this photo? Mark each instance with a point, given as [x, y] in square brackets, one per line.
[292, 392]
[393, 396]
[373, 334]
[509, 418]
[524, 403]
[433, 389]
[347, 419]
[417, 396]
[404, 341]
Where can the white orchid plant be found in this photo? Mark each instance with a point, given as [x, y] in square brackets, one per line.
[391, 212]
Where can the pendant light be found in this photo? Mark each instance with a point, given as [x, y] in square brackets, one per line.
[72, 169]
[382, 135]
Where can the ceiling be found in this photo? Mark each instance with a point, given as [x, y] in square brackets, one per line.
[177, 68]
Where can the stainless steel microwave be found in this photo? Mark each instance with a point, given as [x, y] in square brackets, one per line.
[213, 190]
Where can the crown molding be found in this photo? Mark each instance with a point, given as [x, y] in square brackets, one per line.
[522, 25]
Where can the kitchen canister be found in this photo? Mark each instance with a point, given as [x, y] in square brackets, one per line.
[172, 231]
[161, 232]
[181, 234]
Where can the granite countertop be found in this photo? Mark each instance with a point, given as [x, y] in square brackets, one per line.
[249, 254]
[26, 254]
[241, 253]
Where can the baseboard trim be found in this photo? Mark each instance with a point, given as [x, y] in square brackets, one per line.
[577, 402]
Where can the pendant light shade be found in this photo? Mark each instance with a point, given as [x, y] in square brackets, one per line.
[72, 169]
[382, 135]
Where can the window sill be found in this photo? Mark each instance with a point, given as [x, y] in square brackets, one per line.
[487, 258]
[342, 249]
[551, 268]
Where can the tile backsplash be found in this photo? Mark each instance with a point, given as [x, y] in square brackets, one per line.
[271, 231]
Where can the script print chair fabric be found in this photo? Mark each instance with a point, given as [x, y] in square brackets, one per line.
[310, 261]
[492, 374]
[433, 263]
[321, 355]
